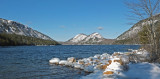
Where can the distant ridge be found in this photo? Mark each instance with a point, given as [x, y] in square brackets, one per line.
[83, 39]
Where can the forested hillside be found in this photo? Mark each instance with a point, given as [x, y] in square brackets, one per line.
[14, 40]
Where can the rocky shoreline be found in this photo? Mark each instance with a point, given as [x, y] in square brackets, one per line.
[105, 65]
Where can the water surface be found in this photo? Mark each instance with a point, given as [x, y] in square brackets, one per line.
[31, 62]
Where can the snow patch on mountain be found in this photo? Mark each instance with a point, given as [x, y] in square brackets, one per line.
[78, 38]
[94, 37]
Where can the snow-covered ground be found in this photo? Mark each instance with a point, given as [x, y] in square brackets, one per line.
[136, 71]
[126, 65]
[142, 71]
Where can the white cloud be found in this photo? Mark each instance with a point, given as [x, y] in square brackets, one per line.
[100, 28]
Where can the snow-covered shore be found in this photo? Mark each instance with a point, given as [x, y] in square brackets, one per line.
[119, 65]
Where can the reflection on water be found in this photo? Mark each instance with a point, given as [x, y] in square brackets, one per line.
[31, 62]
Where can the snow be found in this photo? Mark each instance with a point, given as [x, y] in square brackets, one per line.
[115, 66]
[62, 62]
[142, 71]
[95, 75]
[93, 37]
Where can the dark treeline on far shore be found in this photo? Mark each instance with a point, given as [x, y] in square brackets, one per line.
[15, 40]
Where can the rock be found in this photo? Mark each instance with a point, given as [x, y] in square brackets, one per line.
[90, 59]
[87, 64]
[97, 56]
[97, 61]
[115, 66]
[119, 61]
[54, 61]
[62, 62]
[81, 62]
[104, 66]
[69, 64]
[98, 67]
[78, 66]
[110, 61]
[125, 59]
[116, 54]
[71, 59]
[103, 58]
[108, 72]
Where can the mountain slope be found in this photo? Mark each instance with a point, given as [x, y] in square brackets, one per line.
[78, 38]
[94, 38]
[12, 27]
[14, 33]
[131, 36]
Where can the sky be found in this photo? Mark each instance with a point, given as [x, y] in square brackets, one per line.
[63, 19]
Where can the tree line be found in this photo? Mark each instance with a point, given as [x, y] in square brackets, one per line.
[14, 40]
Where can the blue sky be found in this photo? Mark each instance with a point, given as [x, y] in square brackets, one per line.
[63, 19]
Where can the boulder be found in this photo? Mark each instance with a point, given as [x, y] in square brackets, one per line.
[71, 59]
[104, 66]
[81, 62]
[54, 61]
[69, 64]
[108, 73]
[78, 66]
[110, 61]
[119, 61]
[97, 56]
[87, 64]
[63, 62]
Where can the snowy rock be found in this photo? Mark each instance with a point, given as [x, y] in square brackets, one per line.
[80, 62]
[78, 66]
[69, 64]
[54, 60]
[97, 56]
[63, 62]
[71, 59]
[104, 66]
[108, 72]
[115, 66]
[119, 61]
[125, 59]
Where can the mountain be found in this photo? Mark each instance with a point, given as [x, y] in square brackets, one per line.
[78, 38]
[131, 36]
[12, 27]
[14, 33]
[94, 38]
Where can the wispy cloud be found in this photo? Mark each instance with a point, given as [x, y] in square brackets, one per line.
[62, 26]
[100, 28]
